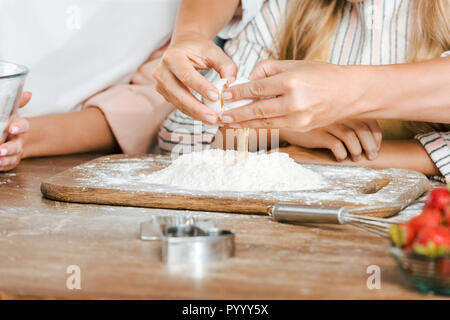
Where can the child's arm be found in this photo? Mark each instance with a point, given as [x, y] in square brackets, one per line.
[406, 154]
[75, 132]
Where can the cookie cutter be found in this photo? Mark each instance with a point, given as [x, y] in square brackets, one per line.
[188, 239]
[191, 244]
[153, 228]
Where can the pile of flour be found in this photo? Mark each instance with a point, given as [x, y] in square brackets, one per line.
[216, 169]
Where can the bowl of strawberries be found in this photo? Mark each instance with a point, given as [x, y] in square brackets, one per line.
[421, 246]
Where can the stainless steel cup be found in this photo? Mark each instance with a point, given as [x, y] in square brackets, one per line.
[12, 79]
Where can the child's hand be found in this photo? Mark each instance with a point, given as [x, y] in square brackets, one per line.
[349, 138]
[11, 151]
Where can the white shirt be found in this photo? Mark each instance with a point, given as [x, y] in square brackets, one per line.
[76, 48]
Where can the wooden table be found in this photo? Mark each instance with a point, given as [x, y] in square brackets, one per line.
[40, 238]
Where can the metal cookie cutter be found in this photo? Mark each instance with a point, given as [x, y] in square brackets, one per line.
[190, 244]
[188, 239]
[153, 229]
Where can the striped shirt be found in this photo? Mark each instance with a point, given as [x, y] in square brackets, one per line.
[373, 32]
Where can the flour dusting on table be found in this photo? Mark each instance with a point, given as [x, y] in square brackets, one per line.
[218, 170]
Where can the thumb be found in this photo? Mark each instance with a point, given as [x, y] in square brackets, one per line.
[268, 68]
[222, 63]
[26, 97]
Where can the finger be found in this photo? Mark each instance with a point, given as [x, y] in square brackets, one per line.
[268, 68]
[366, 138]
[261, 109]
[299, 122]
[12, 147]
[26, 97]
[183, 69]
[337, 148]
[8, 163]
[349, 138]
[261, 88]
[376, 132]
[19, 126]
[183, 100]
[222, 63]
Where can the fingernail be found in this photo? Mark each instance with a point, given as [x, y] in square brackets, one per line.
[213, 96]
[227, 96]
[210, 118]
[373, 155]
[227, 119]
[357, 158]
[15, 130]
[235, 125]
[3, 152]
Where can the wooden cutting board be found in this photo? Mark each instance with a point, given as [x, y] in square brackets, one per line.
[123, 180]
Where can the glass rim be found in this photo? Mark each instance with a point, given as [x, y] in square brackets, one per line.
[22, 70]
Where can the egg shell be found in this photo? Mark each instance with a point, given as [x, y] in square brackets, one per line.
[240, 103]
[216, 105]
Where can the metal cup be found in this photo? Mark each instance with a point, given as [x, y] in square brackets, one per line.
[12, 79]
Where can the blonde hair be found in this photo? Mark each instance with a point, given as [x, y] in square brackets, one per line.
[309, 29]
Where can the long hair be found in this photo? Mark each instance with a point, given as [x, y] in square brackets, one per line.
[308, 31]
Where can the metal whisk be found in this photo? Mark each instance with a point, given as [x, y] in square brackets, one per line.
[334, 215]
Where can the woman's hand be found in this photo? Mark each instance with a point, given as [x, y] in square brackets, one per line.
[178, 74]
[11, 151]
[349, 138]
[300, 95]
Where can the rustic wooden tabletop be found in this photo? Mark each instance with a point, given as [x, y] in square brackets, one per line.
[40, 239]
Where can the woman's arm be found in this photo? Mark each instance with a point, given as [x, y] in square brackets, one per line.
[205, 17]
[413, 91]
[309, 94]
[405, 154]
[192, 49]
[75, 132]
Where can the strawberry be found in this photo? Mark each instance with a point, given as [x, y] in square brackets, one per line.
[433, 241]
[430, 217]
[402, 234]
[447, 215]
[438, 198]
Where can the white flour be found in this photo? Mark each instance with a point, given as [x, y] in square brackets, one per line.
[216, 170]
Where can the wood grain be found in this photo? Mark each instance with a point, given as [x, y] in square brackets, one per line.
[40, 238]
[88, 183]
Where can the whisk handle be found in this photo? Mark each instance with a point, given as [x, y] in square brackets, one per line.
[307, 214]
